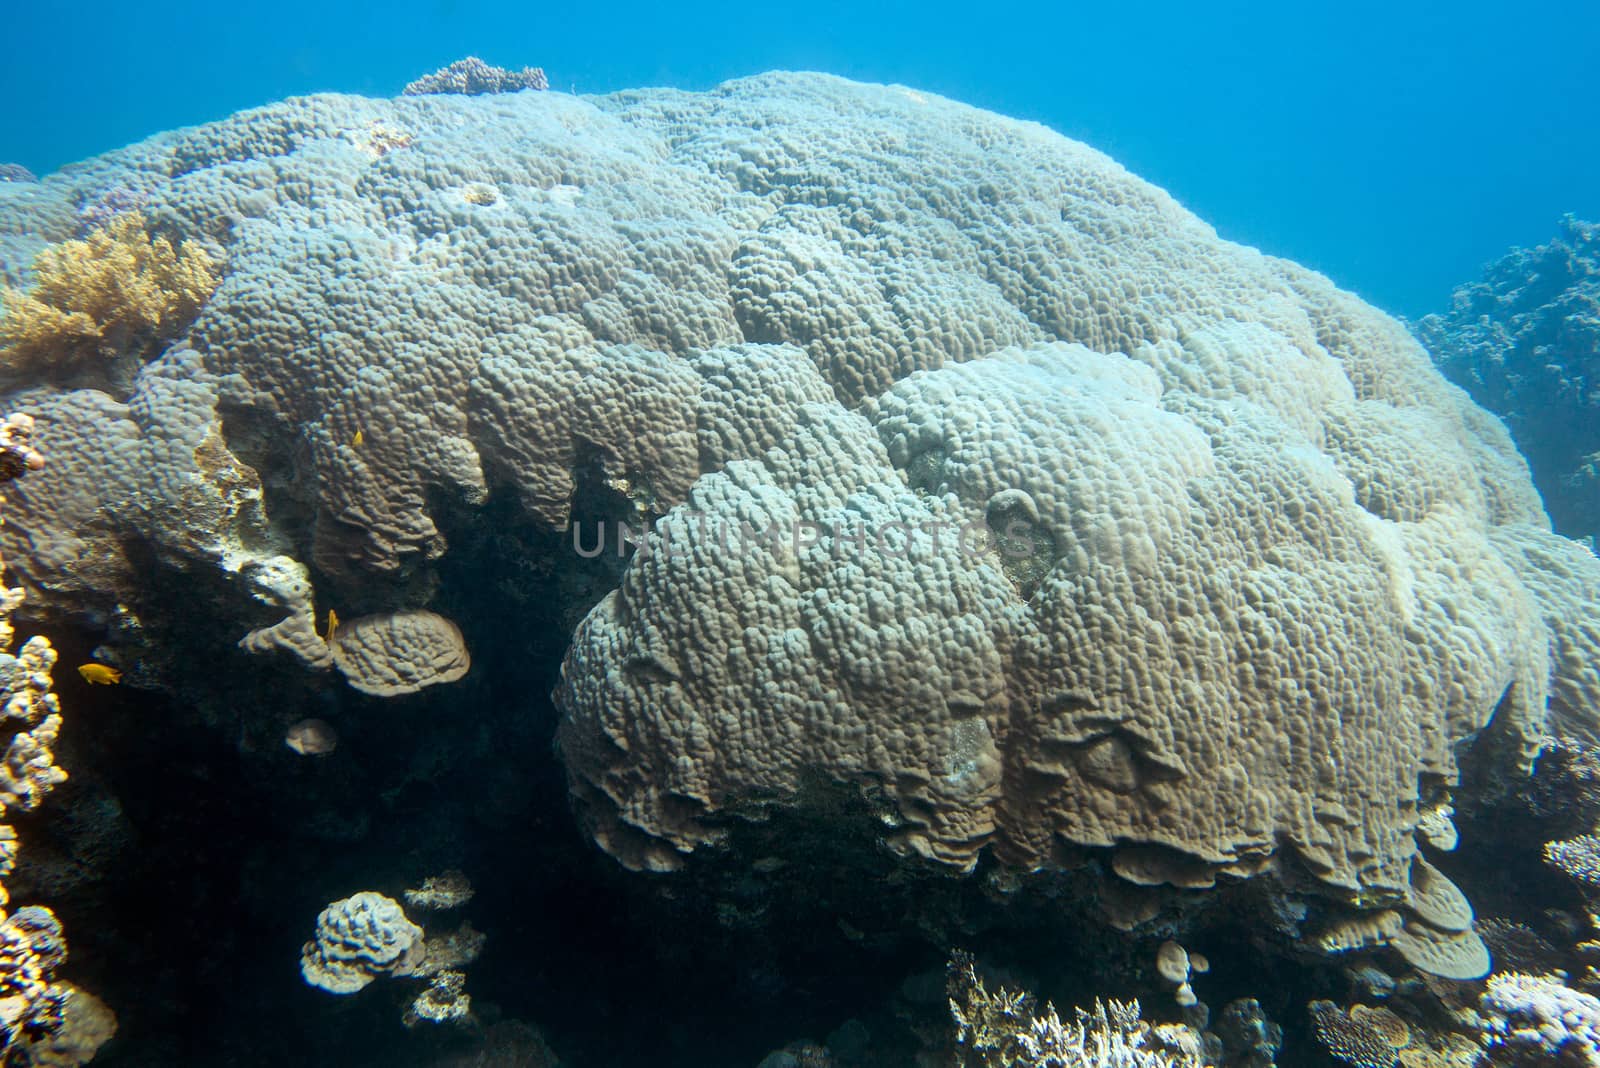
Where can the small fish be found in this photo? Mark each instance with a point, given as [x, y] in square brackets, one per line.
[359, 440]
[333, 625]
[99, 674]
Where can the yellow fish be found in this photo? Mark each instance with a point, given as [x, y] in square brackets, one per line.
[333, 625]
[359, 440]
[100, 674]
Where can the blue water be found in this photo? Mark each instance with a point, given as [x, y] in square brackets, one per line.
[1395, 146]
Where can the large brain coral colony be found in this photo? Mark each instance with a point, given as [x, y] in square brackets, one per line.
[1263, 576]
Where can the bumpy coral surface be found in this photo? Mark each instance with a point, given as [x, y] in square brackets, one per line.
[359, 939]
[996, 488]
[1530, 1020]
[87, 1023]
[400, 652]
[17, 454]
[473, 76]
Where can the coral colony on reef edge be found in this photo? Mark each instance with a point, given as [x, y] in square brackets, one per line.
[1012, 566]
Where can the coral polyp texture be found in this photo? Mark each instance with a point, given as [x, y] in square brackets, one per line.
[399, 652]
[117, 290]
[359, 939]
[983, 482]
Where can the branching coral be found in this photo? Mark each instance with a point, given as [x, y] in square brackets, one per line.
[1350, 1039]
[118, 289]
[1006, 1029]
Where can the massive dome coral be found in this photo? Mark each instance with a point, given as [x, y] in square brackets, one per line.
[987, 481]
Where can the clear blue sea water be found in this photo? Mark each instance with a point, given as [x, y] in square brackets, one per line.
[1396, 146]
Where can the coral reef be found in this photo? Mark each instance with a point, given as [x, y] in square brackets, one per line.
[1530, 1020]
[30, 708]
[978, 499]
[117, 290]
[447, 890]
[367, 936]
[154, 478]
[358, 939]
[311, 737]
[1006, 1029]
[1579, 858]
[32, 944]
[16, 172]
[473, 76]
[1350, 1039]
[17, 455]
[1249, 1038]
[399, 652]
[1525, 342]
[443, 1000]
[31, 947]
[109, 205]
[87, 1023]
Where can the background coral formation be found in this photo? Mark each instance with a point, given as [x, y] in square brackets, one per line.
[472, 76]
[1525, 342]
